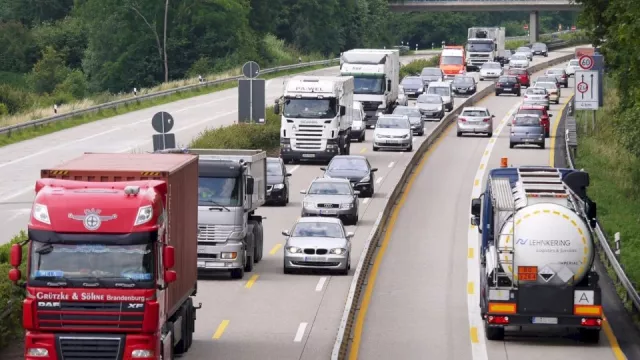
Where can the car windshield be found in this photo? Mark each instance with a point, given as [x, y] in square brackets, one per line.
[530, 112]
[409, 111]
[463, 80]
[536, 91]
[480, 46]
[425, 99]
[518, 57]
[392, 123]
[274, 168]
[317, 229]
[411, 82]
[368, 85]
[50, 261]
[451, 60]
[527, 121]
[215, 191]
[329, 188]
[491, 66]
[439, 90]
[546, 85]
[523, 49]
[310, 108]
[348, 164]
[539, 47]
[431, 72]
[475, 113]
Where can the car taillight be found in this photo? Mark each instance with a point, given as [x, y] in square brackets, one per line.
[486, 119]
[517, 85]
[462, 119]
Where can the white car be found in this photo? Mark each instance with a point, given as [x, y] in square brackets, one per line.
[491, 70]
[393, 132]
[403, 100]
[571, 68]
[519, 61]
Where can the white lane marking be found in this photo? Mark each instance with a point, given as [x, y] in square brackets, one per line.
[366, 200]
[17, 213]
[379, 180]
[321, 283]
[16, 194]
[391, 164]
[294, 169]
[300, 332]
[479, 348]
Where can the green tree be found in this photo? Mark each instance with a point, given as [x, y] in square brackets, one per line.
[18, 51]
[48, 72]
[67, 36]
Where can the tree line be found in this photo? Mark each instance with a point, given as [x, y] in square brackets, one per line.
[57, 51]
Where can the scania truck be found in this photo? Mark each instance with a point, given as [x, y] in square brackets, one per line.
[376, 75]
[537, 254]
[483, 45]
[111, 270]
[316, 118]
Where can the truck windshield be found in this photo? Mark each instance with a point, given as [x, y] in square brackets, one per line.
[451, 60]
[215, 191]
[480, 47]
[309, 108]
[368, 85]
[51, 262]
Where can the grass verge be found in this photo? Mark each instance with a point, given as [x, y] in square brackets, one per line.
[10, 296]
[36, 131]
[614, 173]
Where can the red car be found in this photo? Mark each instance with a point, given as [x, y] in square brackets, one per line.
[540, 111]
[522, 75]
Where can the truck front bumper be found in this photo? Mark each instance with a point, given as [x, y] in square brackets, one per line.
[297, 155]
[220, 257]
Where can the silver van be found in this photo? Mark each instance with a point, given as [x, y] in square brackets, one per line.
[358, 127]
[445, 90]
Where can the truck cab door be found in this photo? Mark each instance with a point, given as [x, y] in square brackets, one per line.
[248, 192]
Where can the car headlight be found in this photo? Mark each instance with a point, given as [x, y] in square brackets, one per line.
[38, 352]
[294, 249]
[142, 354]
[41, 213]
[145, 213]
[337, 251]
[439, 107]
[278, 186]
[307, 204]
[346, 206]
[366, 179]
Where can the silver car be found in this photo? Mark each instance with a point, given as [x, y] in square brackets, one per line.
[415, 118]
[430, 106]
[519, 61]
[552, 88]
[525, 50]
[475, 120]
[332, 197]
[317, 243]
[560, 75]
[527, 129]
[393, 132]
[536, 96]
[490, 70]
[431, 74]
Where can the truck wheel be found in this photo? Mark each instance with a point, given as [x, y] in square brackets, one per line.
[258, 236]
[493, 333]
[237, 273]
[590, 336]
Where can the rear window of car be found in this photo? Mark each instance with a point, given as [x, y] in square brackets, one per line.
[475, 113]
[527, 121]
[536, 91]
[507, 79]
[517, 72]
[530, 112]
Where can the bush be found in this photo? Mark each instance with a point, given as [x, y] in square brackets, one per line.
[415, 67]
[10, 296]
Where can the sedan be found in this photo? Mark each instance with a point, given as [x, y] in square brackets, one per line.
[490, 70]
[317, 243]
[475, 120]
[552, 88]
[526, 130]
[508, 85]
[277, 182]
[526, 51]
[572, 66]
[415, 118]
[536, 96]
[559, 74]
[356, 169]
[464, 85]
[519, 61]
[413, 86]
[332, 197]
[430, 106]
[545, 78]
[393, 132]
[540, 49]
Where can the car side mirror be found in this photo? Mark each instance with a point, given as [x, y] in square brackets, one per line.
[287, 174]
[276, 108]
[356, 192]
[349, 235]
[374, 170]
[323, 168]
[493, 116]
[285, 232]
[303, 192]
[249, 186]
[550, 115]
[389, 85]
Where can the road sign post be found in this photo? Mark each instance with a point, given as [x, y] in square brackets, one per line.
[162, 122]
[250, 70]
[251, 101]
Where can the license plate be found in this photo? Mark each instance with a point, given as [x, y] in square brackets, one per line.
[544, 320]
[393, 141]
[315, 258]
[527, 140]
[206, 250]
[308, 155]
[328, 212]
[508, 89]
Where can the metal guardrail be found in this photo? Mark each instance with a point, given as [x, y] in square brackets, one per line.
[526, 37]
[607, 255]
[352, 306]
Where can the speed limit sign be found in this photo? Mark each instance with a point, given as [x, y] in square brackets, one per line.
[583, 87]
[586, 62]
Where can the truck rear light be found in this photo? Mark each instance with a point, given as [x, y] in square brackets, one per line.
[498, 320]
[591, 322]
[38, 352]
[502, 308]
[587, 310]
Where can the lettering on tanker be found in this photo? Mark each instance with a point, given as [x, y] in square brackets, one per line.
[548, 245]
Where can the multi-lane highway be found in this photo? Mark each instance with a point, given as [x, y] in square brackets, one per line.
[424, 301]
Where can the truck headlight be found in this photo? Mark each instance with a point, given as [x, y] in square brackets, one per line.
[142, 354]
[278, 186]
[294, 249]
[145, 213]
[338, 251]
[41, 213]
[38, 352]
[228, 255]
[346, 206]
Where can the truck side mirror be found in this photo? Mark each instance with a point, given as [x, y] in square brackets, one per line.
[170, 276]
[15, 255]
[169, 257]
[249, 186]
[276, 108]
[15, 275]
[343, 110]
[591, 209]
[389, 85]
[476, 205]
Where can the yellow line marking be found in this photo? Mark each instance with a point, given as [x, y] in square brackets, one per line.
[613, 342]
[552, 135]
[252, 281]
[470, 253]
[221, 328]
[363, 150]
[473, 332]
[476, 182]
[481, 166]
[486, 153]
[470, 288]
[275, 249]
[373, 275]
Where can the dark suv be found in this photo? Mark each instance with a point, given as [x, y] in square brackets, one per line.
[508, 85]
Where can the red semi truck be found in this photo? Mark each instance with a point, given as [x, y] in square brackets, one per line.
[112, 258]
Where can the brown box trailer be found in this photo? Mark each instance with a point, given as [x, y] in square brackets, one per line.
[180, 171]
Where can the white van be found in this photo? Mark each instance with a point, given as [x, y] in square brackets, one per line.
[358, 127]
[445, 90]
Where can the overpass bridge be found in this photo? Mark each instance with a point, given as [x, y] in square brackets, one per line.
[532, 6]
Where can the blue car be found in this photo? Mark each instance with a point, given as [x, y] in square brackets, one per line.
[527, 129]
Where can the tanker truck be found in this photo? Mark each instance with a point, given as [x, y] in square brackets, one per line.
[537, 252]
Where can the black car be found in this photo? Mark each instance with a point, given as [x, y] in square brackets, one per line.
[540, 49]
[356, 169]
[508, 85]
[412, 86]
[464, 85]
[277, 182]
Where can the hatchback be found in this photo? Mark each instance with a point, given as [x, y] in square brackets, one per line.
[519, 61]
[536, 96]
[526, 130]
[508, 85]
[413, 86]
[490, 70]
[541, 111]
[560, 74]
[393, 132]
[526, 51]
[415, 118]
[475, 120]
[522, 75]
[572, 66]
[552, 88]
[356, 169]
[463, 84]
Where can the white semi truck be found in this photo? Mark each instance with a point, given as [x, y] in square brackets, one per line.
[537, 254]
[316, 118]
[377, 77]
[483, 45]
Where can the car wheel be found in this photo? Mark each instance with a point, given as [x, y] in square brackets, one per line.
[410, 148]
[497, 93]
[511, 145]
[459, 134]
[375, 148]
[546, 134]
[542, 146]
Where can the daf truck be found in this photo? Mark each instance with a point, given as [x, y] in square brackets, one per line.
[376, 75]
[316, 118]
[537, 252]
[483, 45]
[111, 259]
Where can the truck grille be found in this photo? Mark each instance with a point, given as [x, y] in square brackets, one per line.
[94, 348]
[94, 315]
[214, 233]
[370, 105]
[308, 137]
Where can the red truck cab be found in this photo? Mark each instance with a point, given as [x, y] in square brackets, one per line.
[111, 259]
[540, 111]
